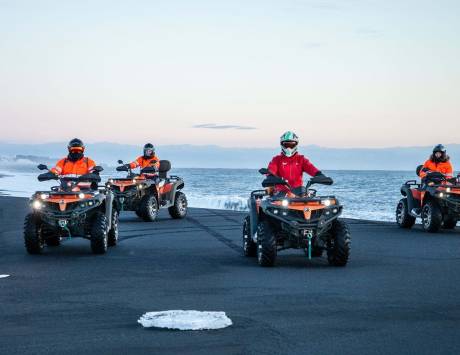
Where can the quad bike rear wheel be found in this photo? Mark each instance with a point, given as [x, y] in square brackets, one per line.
[148, 208]
[431, 217]
[249, 247]
[99, 240]
[179, 209]
[339, 245]
[450, 223]
[403, 217]
[266, 244]
[32, 235]
[113, 232]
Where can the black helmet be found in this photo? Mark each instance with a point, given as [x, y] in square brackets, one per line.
[149, 150]
[439, 148]
[76, 149]
[76, 144]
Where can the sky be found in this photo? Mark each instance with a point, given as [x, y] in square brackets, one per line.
[232, 73]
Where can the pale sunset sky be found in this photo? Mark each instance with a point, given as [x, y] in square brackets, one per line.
[234, 73]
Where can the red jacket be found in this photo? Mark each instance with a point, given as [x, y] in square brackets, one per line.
[291, 169]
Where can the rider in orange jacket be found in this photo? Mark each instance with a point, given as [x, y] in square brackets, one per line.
[75, 163]
[439, 161]
[148, 159]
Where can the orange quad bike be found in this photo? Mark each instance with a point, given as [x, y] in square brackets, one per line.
[148, 191]
[298, 219]
[77, 207]
[436, 200]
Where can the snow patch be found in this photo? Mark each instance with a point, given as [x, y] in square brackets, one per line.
[4, 276]
[185, 320]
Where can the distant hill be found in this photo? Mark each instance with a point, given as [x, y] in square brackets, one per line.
[397, 158]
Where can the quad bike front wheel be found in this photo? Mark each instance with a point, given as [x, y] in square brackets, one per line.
[339, 245]
[179, 209]
[99, 240]
[431, 217]
[403, 217]
[266, 244]
[112, 238]
[449, 223]
[33, 240]
[249, 247]
[148, 208]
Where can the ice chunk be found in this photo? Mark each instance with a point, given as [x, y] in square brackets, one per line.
[3, 276]
[185, 320]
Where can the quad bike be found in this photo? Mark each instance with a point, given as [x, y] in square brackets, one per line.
[148, 191]
[436, 200]
[75, 208]
[299, 219]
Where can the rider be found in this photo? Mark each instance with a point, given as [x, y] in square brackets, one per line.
[290, 165]
[75, 163]
[148, 159]
[439, 161]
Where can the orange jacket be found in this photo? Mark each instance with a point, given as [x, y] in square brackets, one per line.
[80, 167]
[442, 167]
[142, 162]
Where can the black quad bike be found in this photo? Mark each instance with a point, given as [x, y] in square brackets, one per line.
[148, 191]
[298, 219]
[436, 200]
[77, 207]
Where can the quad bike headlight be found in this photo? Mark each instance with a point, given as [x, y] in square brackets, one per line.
[441, 194]
[448, 189]
[110, 181]
[44, 196]
[37, 204]
[285, 203]
[326, 202]
[81, 195]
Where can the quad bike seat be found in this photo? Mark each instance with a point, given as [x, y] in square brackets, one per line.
[165, 166]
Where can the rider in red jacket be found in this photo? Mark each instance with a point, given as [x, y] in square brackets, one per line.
[289, 164]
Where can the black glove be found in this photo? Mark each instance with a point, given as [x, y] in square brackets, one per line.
[124, 167]
[319, 173]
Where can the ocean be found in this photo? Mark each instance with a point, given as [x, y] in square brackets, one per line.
[370, 195]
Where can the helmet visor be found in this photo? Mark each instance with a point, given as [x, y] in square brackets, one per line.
[76, 149]
[289, 144]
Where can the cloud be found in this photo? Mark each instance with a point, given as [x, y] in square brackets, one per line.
[313, 45]
[216, 126]
[368, 32]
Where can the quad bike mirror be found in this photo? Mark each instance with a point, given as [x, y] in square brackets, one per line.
[322, 180]
[273, 180]
[120, 161]
[98, 169]
[42, 167]
[418, 170]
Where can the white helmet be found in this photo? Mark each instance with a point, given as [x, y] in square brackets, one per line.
[289, 141]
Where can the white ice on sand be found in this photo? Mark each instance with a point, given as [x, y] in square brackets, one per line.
[185, 320]
[3, 276]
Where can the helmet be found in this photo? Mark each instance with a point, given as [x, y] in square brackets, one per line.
[76, 149]
[289, 141]
[439, 148]
[76, 145]
[149, 150]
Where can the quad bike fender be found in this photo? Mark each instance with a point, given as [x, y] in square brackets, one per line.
[414, 197]
[176, 186]
[253, 217]
[109, 205]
